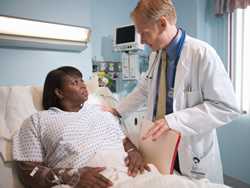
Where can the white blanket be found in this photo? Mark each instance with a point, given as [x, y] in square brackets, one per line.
[116, 171]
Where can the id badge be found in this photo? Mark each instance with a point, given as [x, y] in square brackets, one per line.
[196, 171]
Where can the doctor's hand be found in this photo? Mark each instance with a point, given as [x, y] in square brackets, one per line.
[91, 178]
[160, 126]
[111, 110]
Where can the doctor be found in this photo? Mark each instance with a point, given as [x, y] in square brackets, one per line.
[186, 89]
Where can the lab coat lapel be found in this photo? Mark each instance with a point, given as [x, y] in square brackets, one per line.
[181, 76]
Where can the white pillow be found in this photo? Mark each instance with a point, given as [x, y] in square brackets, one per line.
[18, 103]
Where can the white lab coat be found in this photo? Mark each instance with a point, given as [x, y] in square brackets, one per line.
[203, 100]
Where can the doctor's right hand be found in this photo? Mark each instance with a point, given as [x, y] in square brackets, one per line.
[91, 178]
[160, 126]
[112, 111]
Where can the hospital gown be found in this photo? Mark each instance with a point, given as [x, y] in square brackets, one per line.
[67, 139]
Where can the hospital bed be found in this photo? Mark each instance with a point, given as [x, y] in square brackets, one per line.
[18, 103]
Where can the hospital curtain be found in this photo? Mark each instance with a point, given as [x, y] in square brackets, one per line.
[228, 6]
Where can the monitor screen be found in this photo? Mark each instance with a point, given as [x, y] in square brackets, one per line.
[125, 34]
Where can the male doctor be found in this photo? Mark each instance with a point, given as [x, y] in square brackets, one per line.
[186, 89]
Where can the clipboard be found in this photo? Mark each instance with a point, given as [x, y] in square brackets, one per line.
[162, 152]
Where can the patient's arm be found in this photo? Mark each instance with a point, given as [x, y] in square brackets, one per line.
[40, 177]
[37, 175]
[134, 160]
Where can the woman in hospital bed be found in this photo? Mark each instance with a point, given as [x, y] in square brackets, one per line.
[77, 144]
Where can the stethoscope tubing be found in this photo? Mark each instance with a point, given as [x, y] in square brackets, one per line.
[152, 67]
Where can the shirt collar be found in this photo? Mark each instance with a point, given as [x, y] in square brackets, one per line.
[58, 110]
[172, 47]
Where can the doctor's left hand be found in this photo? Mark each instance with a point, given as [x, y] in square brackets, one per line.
[160, 126]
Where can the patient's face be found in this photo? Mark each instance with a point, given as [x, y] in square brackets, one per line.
[74, 90]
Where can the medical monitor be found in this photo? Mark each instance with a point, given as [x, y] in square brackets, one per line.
[126, 39]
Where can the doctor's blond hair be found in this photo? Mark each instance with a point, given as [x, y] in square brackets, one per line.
[152, 10]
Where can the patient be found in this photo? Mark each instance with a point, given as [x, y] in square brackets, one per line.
[67, 135]
[75, 143]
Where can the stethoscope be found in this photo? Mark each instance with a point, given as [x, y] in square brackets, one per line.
[159, 53]
[152, 67]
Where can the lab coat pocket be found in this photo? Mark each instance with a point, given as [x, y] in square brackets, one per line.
[193, 98]
[202, 162]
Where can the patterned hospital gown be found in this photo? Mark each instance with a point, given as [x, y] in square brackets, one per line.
[67, 139]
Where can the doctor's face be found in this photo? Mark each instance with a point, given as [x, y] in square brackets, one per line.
[151, 33]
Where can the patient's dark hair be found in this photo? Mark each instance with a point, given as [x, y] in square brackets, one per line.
[55, 79]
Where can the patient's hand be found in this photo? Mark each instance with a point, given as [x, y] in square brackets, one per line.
[134, 161]
[91, 177]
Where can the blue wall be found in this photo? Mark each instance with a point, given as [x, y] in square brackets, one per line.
[31, 66]
[234, 141]
[197, 18]
[186, 15]
[212, 29]
[106, 16]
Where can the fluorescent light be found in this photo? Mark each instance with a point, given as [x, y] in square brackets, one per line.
[24, 28]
